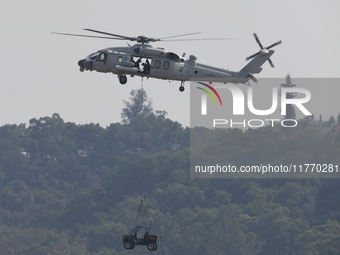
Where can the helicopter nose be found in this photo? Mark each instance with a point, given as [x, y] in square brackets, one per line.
[88, 64]
[81, 62]
[85, 64]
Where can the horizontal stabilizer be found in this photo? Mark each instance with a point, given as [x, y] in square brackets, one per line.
[252, 77]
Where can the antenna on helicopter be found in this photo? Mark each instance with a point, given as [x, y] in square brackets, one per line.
[263, 48]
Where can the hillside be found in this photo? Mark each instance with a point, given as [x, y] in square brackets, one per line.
[75, 189]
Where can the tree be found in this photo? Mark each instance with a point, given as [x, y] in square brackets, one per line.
[322, 239]
[74, 189]
[138, 105]
[331, 120]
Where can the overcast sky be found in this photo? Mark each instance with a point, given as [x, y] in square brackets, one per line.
[40, 75]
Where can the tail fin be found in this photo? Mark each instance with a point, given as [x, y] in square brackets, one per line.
[254, 66]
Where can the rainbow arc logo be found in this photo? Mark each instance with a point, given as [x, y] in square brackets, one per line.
[209, 90]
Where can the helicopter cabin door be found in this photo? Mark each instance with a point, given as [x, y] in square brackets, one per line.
[180, 71]
[100, 65]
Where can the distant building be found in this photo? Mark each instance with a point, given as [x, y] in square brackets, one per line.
[319, 125]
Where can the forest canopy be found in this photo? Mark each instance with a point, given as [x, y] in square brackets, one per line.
[75, 189]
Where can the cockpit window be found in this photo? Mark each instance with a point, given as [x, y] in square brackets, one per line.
[173, 56]
[93, 56]
[102, 57]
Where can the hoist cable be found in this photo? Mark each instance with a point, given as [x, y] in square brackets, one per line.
[142, 202]
[142, 140]
[148, 216]
[138, 214]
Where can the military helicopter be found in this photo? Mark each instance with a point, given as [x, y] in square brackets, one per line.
[142, 59]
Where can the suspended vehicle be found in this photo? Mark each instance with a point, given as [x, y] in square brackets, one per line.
[141, 235]
[142, 59]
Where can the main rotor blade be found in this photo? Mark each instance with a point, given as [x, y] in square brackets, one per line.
[271, 63]
[91, 36]
[252, 56]
[258, 41]
[274, 44]
[199, 39]
[114, 35]
[179, 35]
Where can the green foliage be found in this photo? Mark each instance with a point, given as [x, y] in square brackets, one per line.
[75, 189]
[139, 105]
[320, 239]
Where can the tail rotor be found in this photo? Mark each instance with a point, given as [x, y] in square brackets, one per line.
[263, 49]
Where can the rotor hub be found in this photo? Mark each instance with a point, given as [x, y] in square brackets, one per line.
[142, 39]
[264, 51]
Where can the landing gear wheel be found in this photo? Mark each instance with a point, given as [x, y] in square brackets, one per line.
[129, 246]
[181, 88]
[122, 79]
[152, 247]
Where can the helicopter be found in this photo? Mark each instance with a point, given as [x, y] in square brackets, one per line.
[144, 60]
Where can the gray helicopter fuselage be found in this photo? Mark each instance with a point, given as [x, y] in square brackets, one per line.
[146, 61]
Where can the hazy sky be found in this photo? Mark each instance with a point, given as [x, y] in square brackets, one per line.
[40, 75]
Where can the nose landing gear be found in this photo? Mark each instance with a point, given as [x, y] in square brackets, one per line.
[122, 79]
